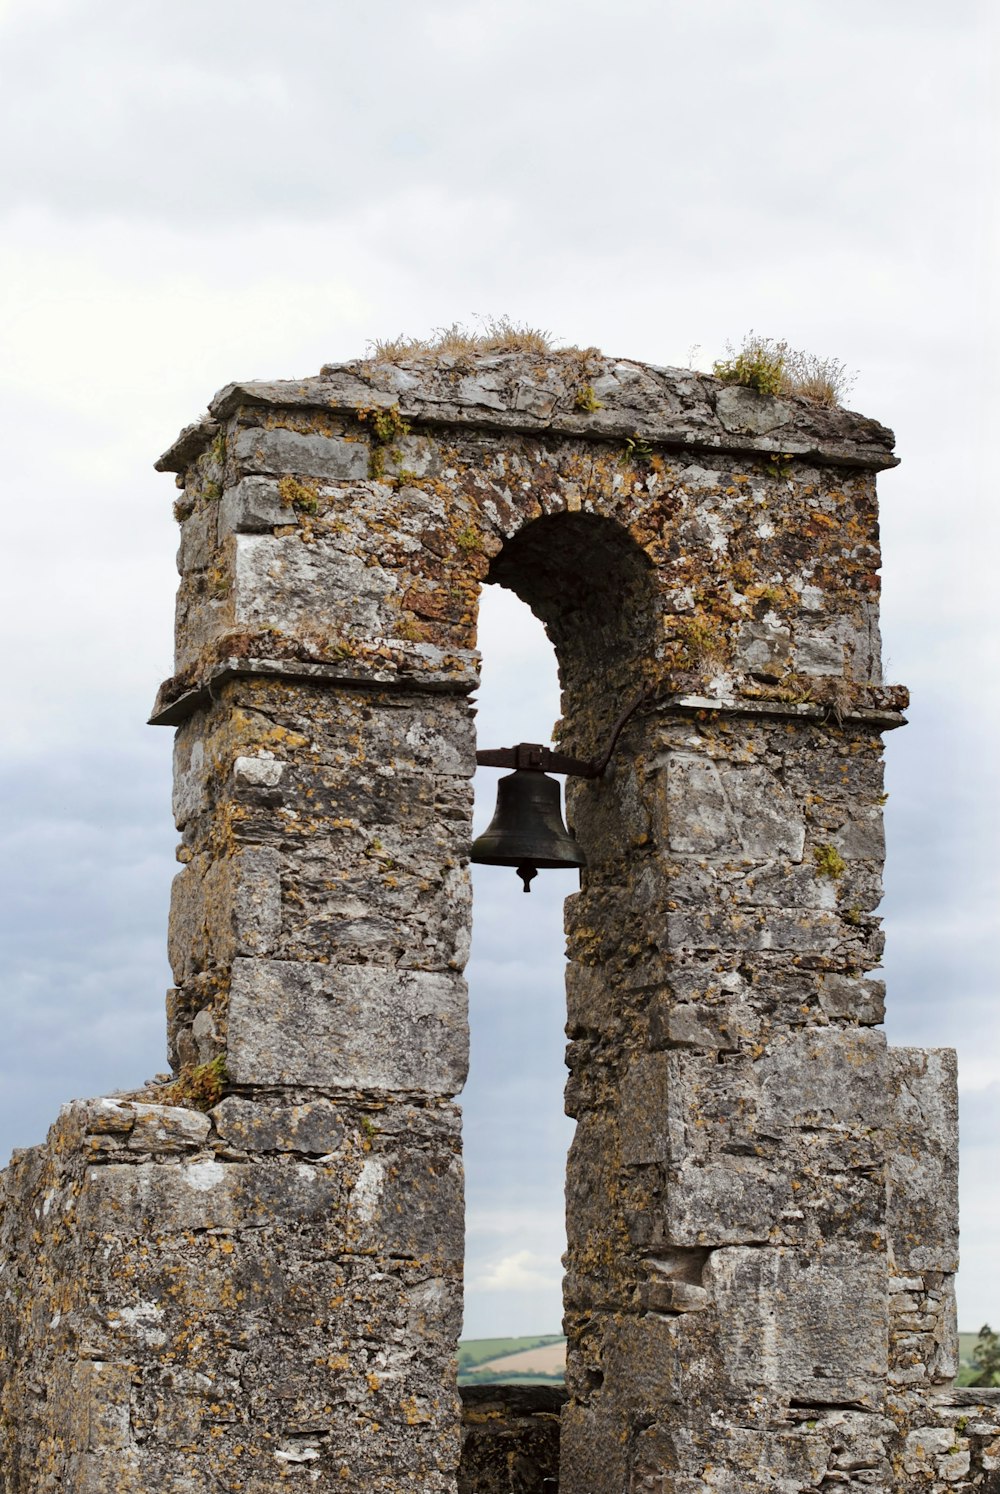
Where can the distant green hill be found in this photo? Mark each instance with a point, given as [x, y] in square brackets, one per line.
[473, 1352]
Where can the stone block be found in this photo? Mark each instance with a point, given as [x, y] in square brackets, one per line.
[764, 646]
[108, 1116]
[315, 1128]
[923, 1159]
[717, 809]
[727, 1202]
[820, 651]
[323, 590]
[191, 783]
[679, 1106]
[164, 1129]
[642, 1361]
[811, 1326]
[257, 899]
[803, 932]
[852, 997]
[593, 1450]
[280, 453]
[199, 538]
[253, 506]
[744, 410]
[222, 906]
[748, 1143]
[347, 1027]
[730, 1459]
[411, 1206]
[861, 837]
[149, 1197]
[823, 1077]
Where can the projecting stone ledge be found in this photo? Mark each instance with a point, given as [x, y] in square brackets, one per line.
[549, 394]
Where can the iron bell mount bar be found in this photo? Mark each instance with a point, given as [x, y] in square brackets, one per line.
[527, 829]
[532, 755]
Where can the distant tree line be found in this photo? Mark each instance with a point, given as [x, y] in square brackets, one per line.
[986, 1358]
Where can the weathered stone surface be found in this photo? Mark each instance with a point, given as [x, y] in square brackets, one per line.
[761, 1148]
[265, 1288]
[510, 1439]
[316, 1127]
[347, 1027]
[923, 1160]
[280, 453]
[812, 1327]
[164, 1281]
[728, 812]
[955, 1444]
[508, 391]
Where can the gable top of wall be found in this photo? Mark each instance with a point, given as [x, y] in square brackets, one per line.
[550, 394]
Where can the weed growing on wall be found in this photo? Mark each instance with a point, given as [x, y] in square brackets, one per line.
[585, 399]
[387, 426]
[198, 1087]
[496, 334]
[770, 366]
[829, 862]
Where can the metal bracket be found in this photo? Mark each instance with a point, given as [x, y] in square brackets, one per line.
[534, 757]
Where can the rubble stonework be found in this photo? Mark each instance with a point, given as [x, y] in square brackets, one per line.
[251, 1278]
[510, 1439]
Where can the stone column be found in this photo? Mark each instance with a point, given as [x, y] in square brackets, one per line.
[320, 926]
[753, 1173]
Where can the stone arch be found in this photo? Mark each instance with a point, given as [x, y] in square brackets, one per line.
[742, 1199]
[594, 588]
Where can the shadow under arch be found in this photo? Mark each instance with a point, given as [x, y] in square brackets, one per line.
[593, 588]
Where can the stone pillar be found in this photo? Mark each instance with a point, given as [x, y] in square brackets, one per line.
[320, 923]
[250, 1275]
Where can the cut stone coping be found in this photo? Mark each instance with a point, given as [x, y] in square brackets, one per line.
[172, 710]
[537, 395]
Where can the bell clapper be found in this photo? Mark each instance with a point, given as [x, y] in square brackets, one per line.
[526, 872]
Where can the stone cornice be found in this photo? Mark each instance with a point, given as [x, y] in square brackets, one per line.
[541, 396]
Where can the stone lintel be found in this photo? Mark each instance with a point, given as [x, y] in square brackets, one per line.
[524, 395]
[881, 719]
[171, 710]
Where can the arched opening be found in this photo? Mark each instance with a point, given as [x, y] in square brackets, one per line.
[515, 1135]
[588, 585]
[591, 586]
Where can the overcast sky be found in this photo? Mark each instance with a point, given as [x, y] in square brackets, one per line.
[193, 193]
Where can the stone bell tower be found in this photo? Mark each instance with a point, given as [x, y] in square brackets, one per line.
[250, 1279]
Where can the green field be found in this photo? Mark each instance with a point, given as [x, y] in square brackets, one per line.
[476, 1351]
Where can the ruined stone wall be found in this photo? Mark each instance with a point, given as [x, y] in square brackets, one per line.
[195, 1297]
[510, 1439]
[760, 1194]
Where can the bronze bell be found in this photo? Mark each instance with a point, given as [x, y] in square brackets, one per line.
[527, 829]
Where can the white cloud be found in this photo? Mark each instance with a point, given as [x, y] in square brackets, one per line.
[521, 1271]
